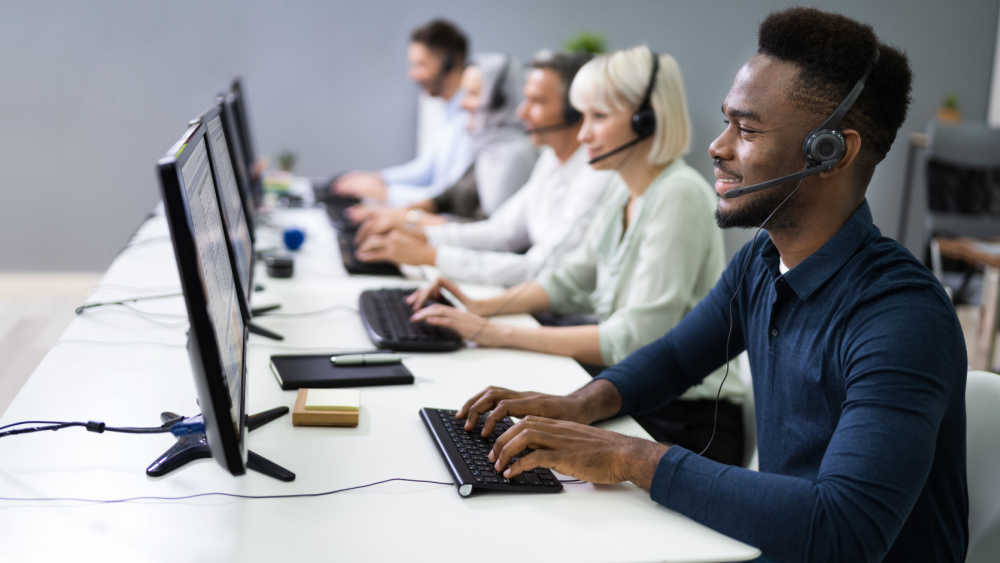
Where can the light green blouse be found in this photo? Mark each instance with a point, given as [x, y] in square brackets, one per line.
[640, 283]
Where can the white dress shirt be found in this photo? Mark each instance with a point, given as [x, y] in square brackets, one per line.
[442, 165]
[548, 216]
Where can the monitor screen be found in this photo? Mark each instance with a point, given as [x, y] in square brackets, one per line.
[217, 334]
[215, 269]
[232, 206]
[227, 114]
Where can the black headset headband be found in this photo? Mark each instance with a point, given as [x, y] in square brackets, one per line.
[833, 122]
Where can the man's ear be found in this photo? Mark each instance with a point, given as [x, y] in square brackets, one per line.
[852, 147]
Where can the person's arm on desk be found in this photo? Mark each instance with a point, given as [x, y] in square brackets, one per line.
[633, 386]
[579, 342]
[557, 428]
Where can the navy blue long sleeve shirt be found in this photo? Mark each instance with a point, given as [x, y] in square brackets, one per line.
[858, 365]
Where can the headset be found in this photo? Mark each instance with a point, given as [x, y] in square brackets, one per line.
[824, 146]
[643, 119]
[570, 115]
[498, 98]
[447, 65]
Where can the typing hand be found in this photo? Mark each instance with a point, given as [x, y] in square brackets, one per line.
[418, 298]
[504, 402]
[584, 452]
[361, 213]
[380, 222]
[468, 325]
[396, 247]
[363, 185]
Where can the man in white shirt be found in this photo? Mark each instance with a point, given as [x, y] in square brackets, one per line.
[437, 55]
[548, 216]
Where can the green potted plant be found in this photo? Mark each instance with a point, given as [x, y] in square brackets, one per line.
[585, 42]
[949, 112]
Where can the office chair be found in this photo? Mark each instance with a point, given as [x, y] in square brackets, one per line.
[982, 397]
[955, 205]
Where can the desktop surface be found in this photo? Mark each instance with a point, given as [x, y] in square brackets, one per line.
[123, 368]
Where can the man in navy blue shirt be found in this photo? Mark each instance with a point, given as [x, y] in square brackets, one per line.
[857, 358]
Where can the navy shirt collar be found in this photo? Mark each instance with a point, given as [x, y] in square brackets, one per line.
[805, 278]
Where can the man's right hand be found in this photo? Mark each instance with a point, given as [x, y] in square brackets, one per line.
[504, 402]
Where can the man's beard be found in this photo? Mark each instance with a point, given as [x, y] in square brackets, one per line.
[756, 209]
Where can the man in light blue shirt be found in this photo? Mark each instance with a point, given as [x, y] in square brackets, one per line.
[437, 55]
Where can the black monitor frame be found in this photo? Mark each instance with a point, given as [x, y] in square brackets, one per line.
[246, 139]
[223, 414]
[228, 99]
[226, 440]
[243, 290]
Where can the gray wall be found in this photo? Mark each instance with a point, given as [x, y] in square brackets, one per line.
[95, 92]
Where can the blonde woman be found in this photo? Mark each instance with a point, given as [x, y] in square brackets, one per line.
[652, 254]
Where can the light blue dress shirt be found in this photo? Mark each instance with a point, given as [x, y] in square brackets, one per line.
[443, 164]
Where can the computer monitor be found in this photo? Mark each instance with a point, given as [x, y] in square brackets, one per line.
[239, 163]
[233, 216]
[235, 220]
[218, 334]
[246, 139]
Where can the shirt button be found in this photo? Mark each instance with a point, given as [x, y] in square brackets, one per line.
[774, 332]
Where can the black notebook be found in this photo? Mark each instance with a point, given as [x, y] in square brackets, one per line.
[294, 371]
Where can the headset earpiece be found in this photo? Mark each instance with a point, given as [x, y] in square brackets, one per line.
[571, 115]
[825, 144]
[644, 118]
[447, 65]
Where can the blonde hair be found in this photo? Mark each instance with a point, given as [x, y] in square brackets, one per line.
[617, 81]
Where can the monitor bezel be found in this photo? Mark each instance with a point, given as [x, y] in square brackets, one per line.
[226, 100]
[242, 115]
[226, 442]
[242, 293]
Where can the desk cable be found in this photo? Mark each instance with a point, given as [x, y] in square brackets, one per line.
[91, 426]
[243, 496]
[736, 292]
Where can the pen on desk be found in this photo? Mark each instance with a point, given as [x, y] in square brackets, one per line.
[366, 359]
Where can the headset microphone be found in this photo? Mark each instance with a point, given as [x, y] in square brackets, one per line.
[809, 171]
[547, 128]
[613, 152]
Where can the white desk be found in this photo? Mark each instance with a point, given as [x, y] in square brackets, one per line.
[118, 367]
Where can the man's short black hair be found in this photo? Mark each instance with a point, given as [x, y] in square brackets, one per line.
[445, 39]
[833, 52]
[566, 65]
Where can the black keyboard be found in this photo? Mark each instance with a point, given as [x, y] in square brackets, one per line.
[386, 316]
[354, 266]
[336, 211]
[465, 454]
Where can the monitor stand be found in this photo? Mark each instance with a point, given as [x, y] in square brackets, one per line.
[259, 330]
[190, 447]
